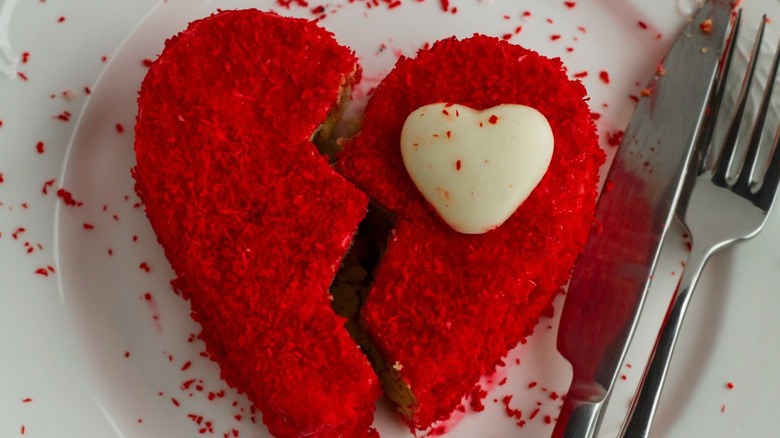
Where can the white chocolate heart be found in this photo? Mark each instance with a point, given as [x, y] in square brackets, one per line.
[476, 167]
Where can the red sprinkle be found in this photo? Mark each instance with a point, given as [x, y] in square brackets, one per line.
[64, 116]
[144, 267]
[46, 185]
[22, 76]
[642, 24]
[39, 147]
[186, 366]
[570, 4]
[67, 198]
[493, 119]
[615, 138]
[119, 128]
[25, 57]
[730, 385]
[555, 37]
[581, 74]
[61, 20]
[604, 76]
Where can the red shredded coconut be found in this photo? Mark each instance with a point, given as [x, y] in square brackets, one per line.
[63, 116]
[615, 138]
[477, 398]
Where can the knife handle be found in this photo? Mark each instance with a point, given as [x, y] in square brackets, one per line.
[581, 413]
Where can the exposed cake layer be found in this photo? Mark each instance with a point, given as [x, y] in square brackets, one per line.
[446, 307]
[252, 219]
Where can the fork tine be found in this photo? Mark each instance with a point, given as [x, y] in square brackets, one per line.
[729, 147]
[718, 91]
[745, 180]
[766, 194]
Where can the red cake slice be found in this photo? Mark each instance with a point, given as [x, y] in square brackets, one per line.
[446, 307]
[251, 217]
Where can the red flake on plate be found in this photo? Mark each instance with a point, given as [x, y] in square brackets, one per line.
[511, 412]
[39, 147]
[46, 185]
[61, 19]
[88, 226]
[42, 272]
[119, 128]
[22, 76]
[476, 399]
[729, 385]
[18, 232]
[63, 116]
[581, 74]
[642, 24]
[615, 138]
[570, 4]
[25, 57]
[27, 400]
[144, 267]
[67, 198]
[186, 366]
[555, 37]
[604, 76]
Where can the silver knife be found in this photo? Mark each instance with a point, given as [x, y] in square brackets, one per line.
[612, 275]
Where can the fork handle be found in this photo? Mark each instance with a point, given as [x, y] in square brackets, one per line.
[640, 415]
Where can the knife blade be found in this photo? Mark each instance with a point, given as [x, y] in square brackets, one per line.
[612, 275]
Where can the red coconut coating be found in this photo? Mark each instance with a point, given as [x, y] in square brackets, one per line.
[448, 306]
[244, 207]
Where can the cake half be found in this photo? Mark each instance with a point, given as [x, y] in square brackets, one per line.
[446, 307]
[252, 218]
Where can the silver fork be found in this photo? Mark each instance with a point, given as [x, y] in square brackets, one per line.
[717, 210]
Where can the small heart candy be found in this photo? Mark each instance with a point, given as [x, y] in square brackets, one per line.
[476, 167]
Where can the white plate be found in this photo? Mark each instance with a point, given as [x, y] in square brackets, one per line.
[87, 353]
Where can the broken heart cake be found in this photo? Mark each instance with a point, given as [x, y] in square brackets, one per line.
[445, 307]
[243, 205]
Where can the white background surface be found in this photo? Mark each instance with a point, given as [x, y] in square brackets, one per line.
[85, 355]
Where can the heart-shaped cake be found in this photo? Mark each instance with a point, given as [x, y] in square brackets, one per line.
[255, 222]
[252, 218]
[445, 307]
